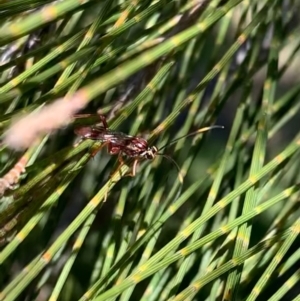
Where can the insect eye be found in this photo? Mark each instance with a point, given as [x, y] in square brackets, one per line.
[149, 156]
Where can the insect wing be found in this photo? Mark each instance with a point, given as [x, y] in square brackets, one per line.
[93, 133]
[114, 137]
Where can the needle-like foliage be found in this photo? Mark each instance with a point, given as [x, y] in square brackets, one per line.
[74, 226]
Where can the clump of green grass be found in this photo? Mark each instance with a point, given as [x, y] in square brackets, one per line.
[161, 70]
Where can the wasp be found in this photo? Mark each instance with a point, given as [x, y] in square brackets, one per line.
[121, 144]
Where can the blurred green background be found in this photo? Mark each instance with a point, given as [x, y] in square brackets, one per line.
[75, 227]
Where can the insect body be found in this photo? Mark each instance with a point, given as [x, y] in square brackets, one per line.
[119, 143]
[122, 144]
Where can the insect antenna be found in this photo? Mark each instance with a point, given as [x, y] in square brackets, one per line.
[208, 128]
[180, 176]
[205, 129]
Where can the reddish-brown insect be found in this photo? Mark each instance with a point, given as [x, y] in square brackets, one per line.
[122, 144]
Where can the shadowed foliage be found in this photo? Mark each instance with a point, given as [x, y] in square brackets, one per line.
[224, 224]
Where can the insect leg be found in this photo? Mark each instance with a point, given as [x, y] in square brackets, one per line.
[113, 150]
[132, 173]
[121, 159]
[135, 163]
[97, 149]
[104, 122]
